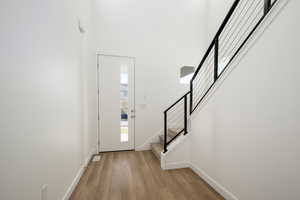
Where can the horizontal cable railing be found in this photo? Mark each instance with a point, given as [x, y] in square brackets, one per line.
[175, 120]
[242, 20]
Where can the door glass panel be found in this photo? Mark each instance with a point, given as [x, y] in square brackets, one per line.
[124, 103]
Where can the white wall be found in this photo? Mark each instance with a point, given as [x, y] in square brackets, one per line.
[163, 36]
[178, 154]
[246, 135]
[88, 63]
[216, 12]
[42, 137]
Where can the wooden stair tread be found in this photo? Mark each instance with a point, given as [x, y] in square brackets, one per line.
[172, 132]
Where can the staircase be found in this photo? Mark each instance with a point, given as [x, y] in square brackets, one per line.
[240, 23]
[157, 148]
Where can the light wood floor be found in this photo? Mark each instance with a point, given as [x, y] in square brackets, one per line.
[137, 176]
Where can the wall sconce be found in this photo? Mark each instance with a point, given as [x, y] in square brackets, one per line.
[186, 74]
[80, 27]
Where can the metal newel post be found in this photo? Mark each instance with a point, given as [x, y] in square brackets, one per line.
[267, 6]
[216, 59]
[165, 130]
[185, 114]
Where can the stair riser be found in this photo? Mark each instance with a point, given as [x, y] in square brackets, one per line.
[172, 133]
[156, 155]
[161, 140]
[157, 149]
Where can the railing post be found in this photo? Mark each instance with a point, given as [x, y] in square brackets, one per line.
[216, 66]
[185, 114]
[191, 97]
[267, 6]
[165, 131]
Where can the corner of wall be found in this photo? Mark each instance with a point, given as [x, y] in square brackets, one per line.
[213, 183]
[79, 174]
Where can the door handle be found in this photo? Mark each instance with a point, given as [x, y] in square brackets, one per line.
[132, 116]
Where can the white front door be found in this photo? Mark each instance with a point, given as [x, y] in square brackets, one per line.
[116, 103]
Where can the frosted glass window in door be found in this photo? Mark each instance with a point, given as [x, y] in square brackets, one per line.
[124, 103]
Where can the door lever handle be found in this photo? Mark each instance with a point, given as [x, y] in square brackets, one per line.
[132, 116]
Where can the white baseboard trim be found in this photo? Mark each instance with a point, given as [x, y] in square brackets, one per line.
[90, 155]
[176, 165]
[79, 174]
[74, 184]
[214, 184]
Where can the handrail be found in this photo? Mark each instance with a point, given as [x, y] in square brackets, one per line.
[225, 21]
[176, 102]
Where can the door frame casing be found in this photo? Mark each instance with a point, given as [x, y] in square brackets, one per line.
[98, 95]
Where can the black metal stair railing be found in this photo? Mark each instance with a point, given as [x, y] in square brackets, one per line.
[175, 120]
[242, 20]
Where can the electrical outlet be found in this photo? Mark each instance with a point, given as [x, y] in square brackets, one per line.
[44, 192]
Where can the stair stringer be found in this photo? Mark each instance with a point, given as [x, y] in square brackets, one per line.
[178, 154]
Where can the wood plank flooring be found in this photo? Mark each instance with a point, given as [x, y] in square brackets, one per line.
[137, 176]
